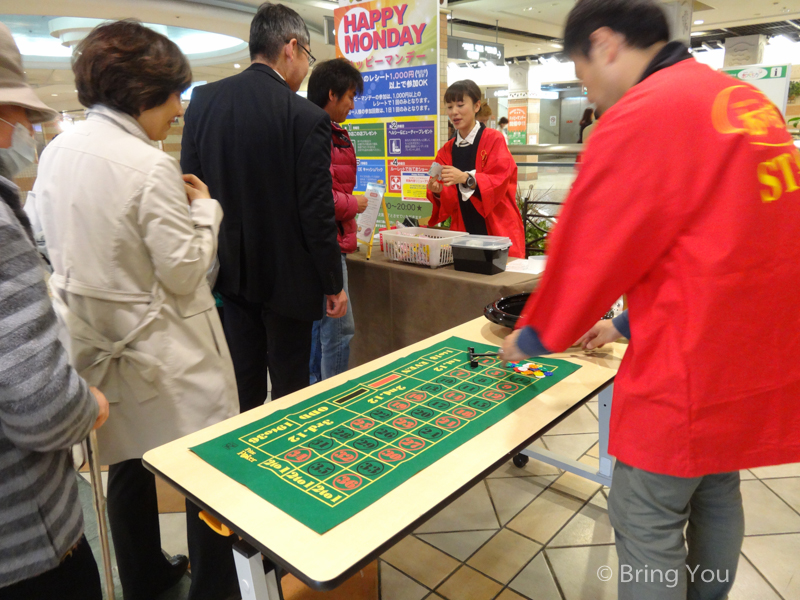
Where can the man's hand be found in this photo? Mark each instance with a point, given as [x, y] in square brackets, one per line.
[363, 201]
[510, 351]
[102, 405]
[598, 336]
[337, 305]
[435, 186]
[195, 188]
[453, 176]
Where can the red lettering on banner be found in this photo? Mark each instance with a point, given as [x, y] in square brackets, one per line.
[400, 11]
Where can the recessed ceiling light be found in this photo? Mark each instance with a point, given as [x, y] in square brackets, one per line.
[696, 33]
[236, 66]
[54, 94]
[699, 22]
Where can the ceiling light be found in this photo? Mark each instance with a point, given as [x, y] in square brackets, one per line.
[237, 66]
[699, 22]
[697, 33]
[559, 46]
[54, 94]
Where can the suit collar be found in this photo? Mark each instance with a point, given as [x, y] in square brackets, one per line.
[269, 71]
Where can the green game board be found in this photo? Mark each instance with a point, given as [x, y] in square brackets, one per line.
[329, 457]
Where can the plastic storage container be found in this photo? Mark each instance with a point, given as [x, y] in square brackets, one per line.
[485, 254]
[420, 245]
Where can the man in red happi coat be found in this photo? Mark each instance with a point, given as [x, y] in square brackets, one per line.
[688, 201]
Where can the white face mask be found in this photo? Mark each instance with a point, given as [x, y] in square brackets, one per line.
[22, 152]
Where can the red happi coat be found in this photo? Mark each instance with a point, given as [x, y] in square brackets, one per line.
[496, 175]
[688, 201]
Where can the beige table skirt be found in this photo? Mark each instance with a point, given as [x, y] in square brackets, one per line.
[398, 304]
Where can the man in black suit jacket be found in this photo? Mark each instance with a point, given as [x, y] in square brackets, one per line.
[264, 153]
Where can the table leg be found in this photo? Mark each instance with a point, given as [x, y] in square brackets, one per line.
[603, 473]
[254, 584]
[604, 416]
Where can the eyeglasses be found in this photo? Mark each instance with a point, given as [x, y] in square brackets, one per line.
[311, 59]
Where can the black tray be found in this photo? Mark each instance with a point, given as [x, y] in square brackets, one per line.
[506, 311]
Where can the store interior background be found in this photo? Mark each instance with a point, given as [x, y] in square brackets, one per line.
[213, 33]
[545, 528]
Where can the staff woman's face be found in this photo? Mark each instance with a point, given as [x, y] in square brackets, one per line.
[462, 113]
[156, 121]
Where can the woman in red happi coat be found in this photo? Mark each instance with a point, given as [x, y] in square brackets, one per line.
[478, 186]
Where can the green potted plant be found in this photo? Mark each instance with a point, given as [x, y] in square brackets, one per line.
[794, 90]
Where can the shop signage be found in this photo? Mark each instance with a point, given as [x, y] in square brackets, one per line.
[533, 95]
[466, 49]
[395, 45]
[517, 125]
[772, 80]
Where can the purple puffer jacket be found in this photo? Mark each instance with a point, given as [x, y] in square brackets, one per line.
[343, 172]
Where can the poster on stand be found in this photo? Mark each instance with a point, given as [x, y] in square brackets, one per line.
[395, 46]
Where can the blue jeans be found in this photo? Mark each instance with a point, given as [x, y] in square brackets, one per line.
[330, 340]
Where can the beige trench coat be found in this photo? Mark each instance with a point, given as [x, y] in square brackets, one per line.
[130, 256]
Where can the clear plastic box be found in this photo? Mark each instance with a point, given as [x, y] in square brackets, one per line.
[420, 245]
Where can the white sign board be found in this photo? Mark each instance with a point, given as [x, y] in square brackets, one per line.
[772, 80]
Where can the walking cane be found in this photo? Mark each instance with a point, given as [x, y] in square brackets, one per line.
[99, 502]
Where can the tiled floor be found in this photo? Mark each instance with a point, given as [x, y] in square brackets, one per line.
[540, 534]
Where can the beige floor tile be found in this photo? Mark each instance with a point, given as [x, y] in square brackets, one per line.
[468, 584]
[590, 527]
[765, 513]
[543, 517]
[536, 581]
[509, 595]
[575, 485]
[459, 544]
[534, 467]
[776, 557]
[571, 446]
[511, 494]
[581, 421]
[470, 512]
[594, 451]
[746, 475]
[750, 585]
[576, 571]
[790, 470]
[420, 561]
[503, 556]
[787, 489]
[397, 586]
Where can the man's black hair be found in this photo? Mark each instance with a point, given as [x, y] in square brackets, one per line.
[336, 75]
[274, 26]
[642, 22]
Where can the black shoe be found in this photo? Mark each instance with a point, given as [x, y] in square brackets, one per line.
[178, 565]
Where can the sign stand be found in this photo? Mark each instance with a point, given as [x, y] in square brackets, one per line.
[372, 237]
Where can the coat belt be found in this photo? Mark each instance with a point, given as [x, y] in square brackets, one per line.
[138, 369]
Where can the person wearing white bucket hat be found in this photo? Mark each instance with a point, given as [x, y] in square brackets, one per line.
[45, 407]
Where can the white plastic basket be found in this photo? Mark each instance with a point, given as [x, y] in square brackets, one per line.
[420, 245]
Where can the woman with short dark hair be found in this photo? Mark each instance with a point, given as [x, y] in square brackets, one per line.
[130, 241]
[478, 186]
